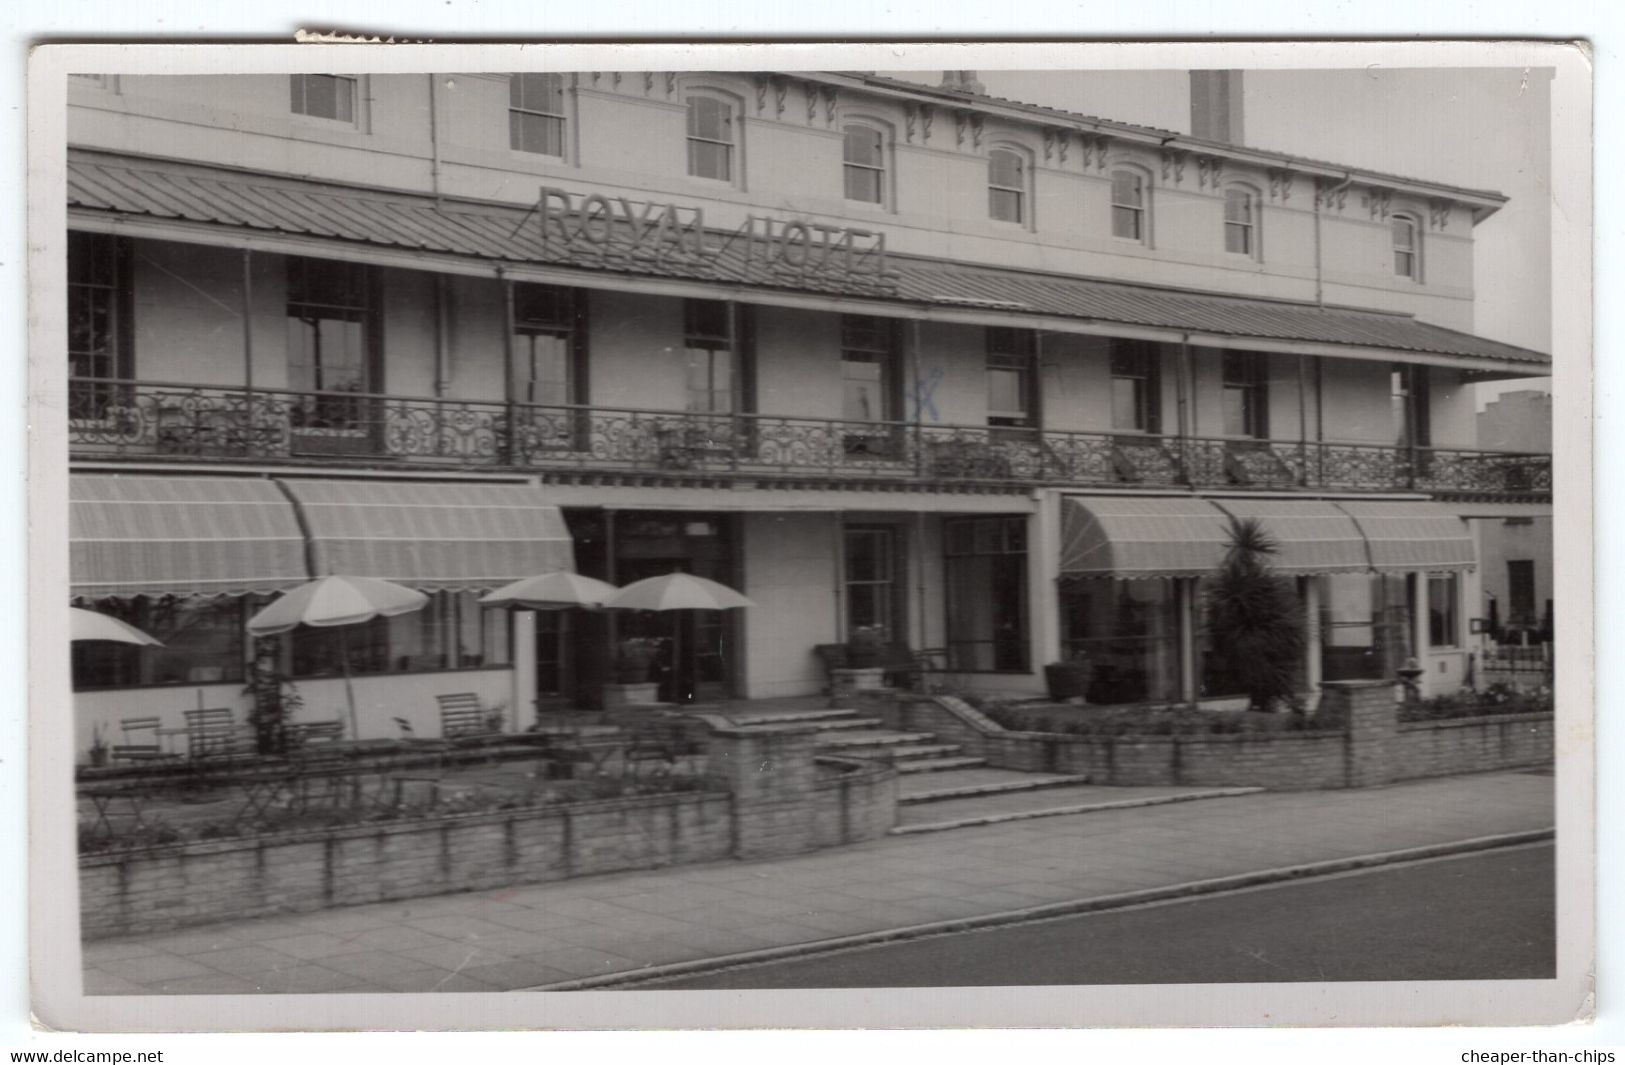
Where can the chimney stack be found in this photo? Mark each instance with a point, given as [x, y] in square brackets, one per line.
[1216, 106]
[963, 81]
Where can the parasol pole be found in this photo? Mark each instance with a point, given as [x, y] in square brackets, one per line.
[349, 688]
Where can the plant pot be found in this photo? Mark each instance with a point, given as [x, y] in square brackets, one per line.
[98, 757]
[862, 657]
[1067, 680]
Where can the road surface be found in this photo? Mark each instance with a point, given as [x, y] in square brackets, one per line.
[1489, 915]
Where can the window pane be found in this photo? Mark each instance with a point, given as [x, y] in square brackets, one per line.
[862, 146]
[537, 92]
[1004, 168]
[862, 184]
[1004, 205]
[1235, 412]
[709, 160]
[1442, 611]
[1238, 206]
[1126, 223]
[1403, 235]
[543, 369]
[710, 119]
[324, 96]
[1005, 392]
[202, 638]
[1126, 189]
[541, 134]
[1127, 405]
[1404, 264]
[1238, 239]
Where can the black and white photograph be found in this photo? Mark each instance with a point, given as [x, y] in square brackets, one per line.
[524, 533]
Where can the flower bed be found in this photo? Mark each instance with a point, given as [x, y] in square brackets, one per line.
[1495, 700]
[1141, 720]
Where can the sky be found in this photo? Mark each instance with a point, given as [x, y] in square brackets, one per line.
[1476, 128]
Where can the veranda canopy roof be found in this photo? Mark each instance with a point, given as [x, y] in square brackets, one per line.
[1129, 537]
[208, 204]
[432, 535]
[151, 535]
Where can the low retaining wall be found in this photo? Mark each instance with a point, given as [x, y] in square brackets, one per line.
[1371, 747]
[769, 795]
[193, 883]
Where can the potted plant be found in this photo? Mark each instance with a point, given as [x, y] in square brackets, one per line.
[1068, 679]
[633, 657]
[98, 747]
[273, 698]
[866, 647]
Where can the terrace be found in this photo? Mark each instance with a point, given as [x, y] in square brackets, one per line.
[118, 419]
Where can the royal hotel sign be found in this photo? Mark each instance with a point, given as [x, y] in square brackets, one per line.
[614, 232]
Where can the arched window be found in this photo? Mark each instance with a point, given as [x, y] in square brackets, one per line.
[536, 113]
[1128, 205]
[1006, 186]
[711, 138]
[1240, 222]
[1407, 248]
[863, 160]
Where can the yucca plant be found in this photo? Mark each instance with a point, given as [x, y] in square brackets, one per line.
[1254, 620]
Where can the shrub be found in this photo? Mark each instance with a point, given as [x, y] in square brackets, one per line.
[1254, 620]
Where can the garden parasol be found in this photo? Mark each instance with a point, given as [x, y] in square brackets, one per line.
[677, 591]
[336, 601]
[89, 625]
[545, 591]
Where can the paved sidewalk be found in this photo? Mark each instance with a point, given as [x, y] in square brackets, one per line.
[536, 935]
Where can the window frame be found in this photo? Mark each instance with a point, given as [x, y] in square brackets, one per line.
[299, 93]
[1250, 228]
[1021, 356]
[351, 408]
[884, 352]
[1140, 211]
[735, 146]
[119, 293]
[1412, 251]
[880, 169]
[1149, 377]
[562, 116]
[1246, 372]
[1022, 191]
[1444, 626]
[997, 537]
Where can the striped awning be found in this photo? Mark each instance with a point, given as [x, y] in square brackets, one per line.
[1413, 536]
[1130, 537]
[1311, 536]
[152, 535]
[432, 535]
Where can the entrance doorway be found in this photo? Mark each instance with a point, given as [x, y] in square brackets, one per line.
[694, 656]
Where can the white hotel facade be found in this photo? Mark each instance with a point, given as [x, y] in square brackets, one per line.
[990, 375]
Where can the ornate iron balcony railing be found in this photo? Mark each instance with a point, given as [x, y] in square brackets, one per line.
[159, 420]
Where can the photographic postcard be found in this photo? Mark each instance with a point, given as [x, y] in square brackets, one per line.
[547, 534]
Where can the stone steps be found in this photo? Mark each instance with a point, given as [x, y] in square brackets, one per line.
[966, 783]
[849, 740]
[938, 765]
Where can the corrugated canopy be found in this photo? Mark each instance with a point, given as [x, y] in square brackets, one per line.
[432, 535]
[1413, 536]
[149, 535]
[1129, 537]
[125, 186]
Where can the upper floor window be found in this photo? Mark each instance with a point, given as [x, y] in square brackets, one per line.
[1128, 205]
[1409, 402]
[709, 340]
[710, 138]
[545, 335]
[330, 96]
[98, 321]
[1246, 384]
[1006, 186]
[864, 164]
[1012, 356]
[1240, 222]
[1406, 260]
[1136, 387]
[536, 113]
[328, 341]
[868, 368]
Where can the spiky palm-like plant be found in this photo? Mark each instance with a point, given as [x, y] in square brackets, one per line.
[1254, 620]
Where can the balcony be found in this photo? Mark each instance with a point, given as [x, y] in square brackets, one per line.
[153, 421]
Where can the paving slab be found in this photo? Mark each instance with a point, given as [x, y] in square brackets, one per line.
[578, 932]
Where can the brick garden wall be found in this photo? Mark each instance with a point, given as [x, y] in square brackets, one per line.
[1372, 747]
[771, 796]
[193, 883]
